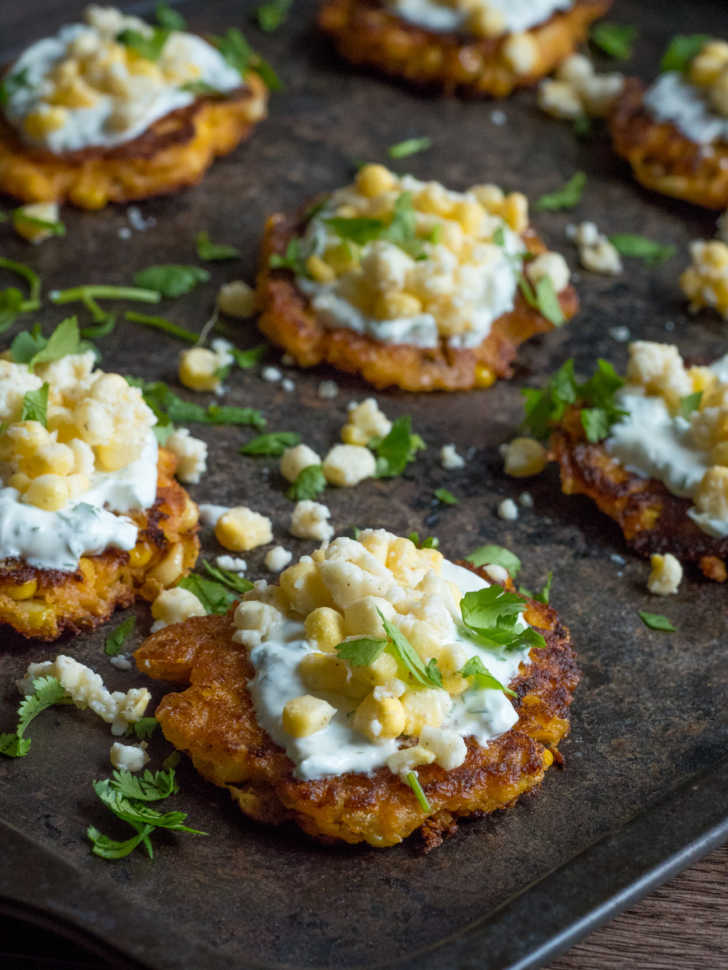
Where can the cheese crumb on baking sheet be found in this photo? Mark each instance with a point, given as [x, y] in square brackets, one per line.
[450, 459]
[128, 757]
[508, 510]
[277, 558]
[310, 521]
[233, 564]
[328, 390]
[666, 574]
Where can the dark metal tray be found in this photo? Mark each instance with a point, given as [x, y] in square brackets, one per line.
[644, 790]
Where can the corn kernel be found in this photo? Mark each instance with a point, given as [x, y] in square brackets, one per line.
[44, 120]
[373, 180]
[485, 22]
[515, 211]
[548, 758]
[237, 299]
[48, 492]
[240, 529]
[140, 555]
[325, 672]
[319, 270]
[170, 569]
[342, 258]
[711, 497]
[425, 706]
[326, 627]
[525, 457]
[490, 197]
[379, 718]
[469, 214]
[484, 376]
[306, 715]
[361, 618]
[199, 369]
[75, 93]
[521, 53]
[27, 437]
[303, 587]
[51, 458]
[23, 591]
[407, 759]
[116, 454]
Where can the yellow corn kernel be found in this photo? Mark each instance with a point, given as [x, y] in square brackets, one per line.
[515, 211]
[19, 481]
[373, 180]
[237, 299]
[521, 52]
[115, 455]
[378, 718]
[199, 369]
[719, 454]
[469, 214]
[48, 492]
[169, 570]
[485, 22]
[423, 707]
[376, 543]
[26, 437]
[140, 555]
[711, 497]
[51, 458]
[490, 197]
[396, 303]
[326, 627]
[303, 587]
[306, 715]
[484, 376]
[319, 270]
[381, 671]
[702, 377]
[189, 517]
[37, 615]
[548, 758]
[75, 93]
[708, 64]
[525, 457]
[361, 618]
[342, 258]
[24, 591]
[325, 672]
[44, 120]
[241, 529]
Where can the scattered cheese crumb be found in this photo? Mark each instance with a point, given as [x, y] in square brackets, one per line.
[508, 510]
[620, 334]
[295, 459]
[232, 563]
[450, 459]
[191, 454]
[705, 282]
[347, 465]
[87, 689]
[124, 232]
[498, 117]
[121, 661]
[328, 390]
[526, 500]
[137, 220]
[237, 299]
[576, 90]
[271, 374]
[128, 757]
[665, 575]
[277, 558]
[288, 385]
[309, 521]
[241, 529]
[174, 606]
[596, 253]
[366, 421]
[210, 514]
[497, 573]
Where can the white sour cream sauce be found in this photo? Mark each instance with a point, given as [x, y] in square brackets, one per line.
[672, 98]
[88, 526]
[338, 748]
[652, 443]
[518, 15]
[490, 286]
[88, 127]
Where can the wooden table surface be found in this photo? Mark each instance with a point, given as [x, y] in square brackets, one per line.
[683, 925]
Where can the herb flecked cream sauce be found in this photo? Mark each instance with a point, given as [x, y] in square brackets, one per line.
[518, 15]
[672, 98]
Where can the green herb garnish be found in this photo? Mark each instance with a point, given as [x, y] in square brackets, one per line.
[246, 359]
[145, 727]
[47, 691]
[361, 651]
[543, 298]
[240, 55]
[481, 678]
[169, 408]
[171, 280]
[616, 40]
[201, 89]
[445, 496]
[35, 406]
[543, 595]
[118, 637]
[564, 198]
[410, 146]
[20, 217]
[231, 415]
[401, 230]
[272, 14]
[211, 252]
[215, 597]
[638, 247]
[148, 46]
[431, 542]
[169, 18]
[97, 331]
[163, 324]
[227, 577]
[690, 403]
[490, 617]
[656, 621]
[11, 304]
[491, 555]
[424, 675]
[32, 348]
[397, 449]
[31, 278]
[12, 83]
[274, 443]
[414, 783]
[309, 483]
[681, 50]
[292, 259]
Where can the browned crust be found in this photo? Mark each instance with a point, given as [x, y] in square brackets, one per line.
[662, 158]
[74, 602]
[172, 153]
[288, 320]
[366, 32]
[651, 518]
[214, 721]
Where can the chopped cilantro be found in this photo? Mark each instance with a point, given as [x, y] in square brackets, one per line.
[490, 617]
[491, 555]
[656, 621]
[31, 347]
[425, 675]
[240, 55]
[163, 324]
[30, 277]
[227, 577]
[169, 408]
[564, 198]
[543, 595]
[202, 89]
[274, 443]
[11, 304]
[431, 542]
[481, 678]
[543, 298]
[639, 247]
[12, 83]
[397, 449]
[211, 252]
[410, 146]
[118, 637]
[246, 359]
[171, 280]
[168, 18]
[401, 230]
[690, 403]
[228, 414]
[292, 259]
[101, 329]
[414, 783]
[616, 40]
[681, 50]
[309, 483]
[361, 651]
[47, 691]
[145, 727]
[357, 229]
[445, 496]
[272, 14]
[20, 217]
[215, 597]
[148, 46]
[583, 127]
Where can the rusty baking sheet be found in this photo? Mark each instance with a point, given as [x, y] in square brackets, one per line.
[643, 791]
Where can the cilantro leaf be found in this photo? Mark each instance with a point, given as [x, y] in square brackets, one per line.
[690, 403]
[309, 483]
[215, 597]
[148, 46]
[33, 348]
[138, 811]
[172, 409]
[357, 229]
[410, 146]
[496, 556]
[30, 277]
[201, 88]
[681, 50]
[414, 783]
[11, 304]
[292, 259]
[149, 787]
[240, 55]
[21, 217]
[210, 251]
[616, 40]
[107, 848]
[163, 324]
[47, 691]
[274, 443]
[431, 542]
[564, 198]
[482, 608]
[445, 496]
[171, 280]
[118, 637]
[272, 14]
[481, 678]
[227, 577]
[596, 423]
[245, 359]
[145, 727]
[228, 414]
[100, 330]
[543, 298]
[361, 651]
[397, 449]
[426, 676]
[639, 247]
[656, 621]
[35, 406]
[11, 83]
[169, 18]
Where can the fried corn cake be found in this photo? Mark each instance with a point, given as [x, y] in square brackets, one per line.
[374, 749]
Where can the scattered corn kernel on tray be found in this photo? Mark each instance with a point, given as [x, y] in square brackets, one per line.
[643, 789]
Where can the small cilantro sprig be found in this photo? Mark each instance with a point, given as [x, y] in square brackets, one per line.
[210, 251]
[35, 406]
[445, 496]
[544, 594]
[292, 259]
[410, 146]
[431, 542]
[414, 783]
[361, 651]
[149, 46]
[272, 14]
[272, 444]
[309, 483]
[12, 301]
[616, 40]
[240, 55]
[247, 359]
[11, 83]
[564, 198]
[681, 50]
[396, 449]
[426, 675]
[145, 727]
[543, 298]
[21, 217]
[401, 230]
[656, 621]
[599, 410]
[171, 280]
[47, 692]
[639, 247]
[490, 617]
[169, 18]
[492, 555]
[119, 635]
[215, 597]
[233, 580]
[171, 409]
[163, 324]
[481, 678]
[32, 348]
[690, 403]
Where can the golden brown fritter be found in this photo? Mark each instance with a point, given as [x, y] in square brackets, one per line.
[288, 320]
[45, 603]
[664, 159]
[369, 33]
[214, 721]
[174, 152]
[651, 518]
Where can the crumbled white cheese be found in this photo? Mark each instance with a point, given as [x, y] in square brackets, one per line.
[87, 689]
[666, 574]
[347, 465]
[620, 334]
[271, 374]
[174, 606]
[328, 390]
[128, 757]
[450, 459]
[498, 117]
[508, 510]
[497, 573]
[210, 514]
[309, 521]
[277, 558]
[232, 563]
[137, 220]
[121, 661]
[295, 459]
[288, 385]
[191, 454]
[596, 252]
[526, 500]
